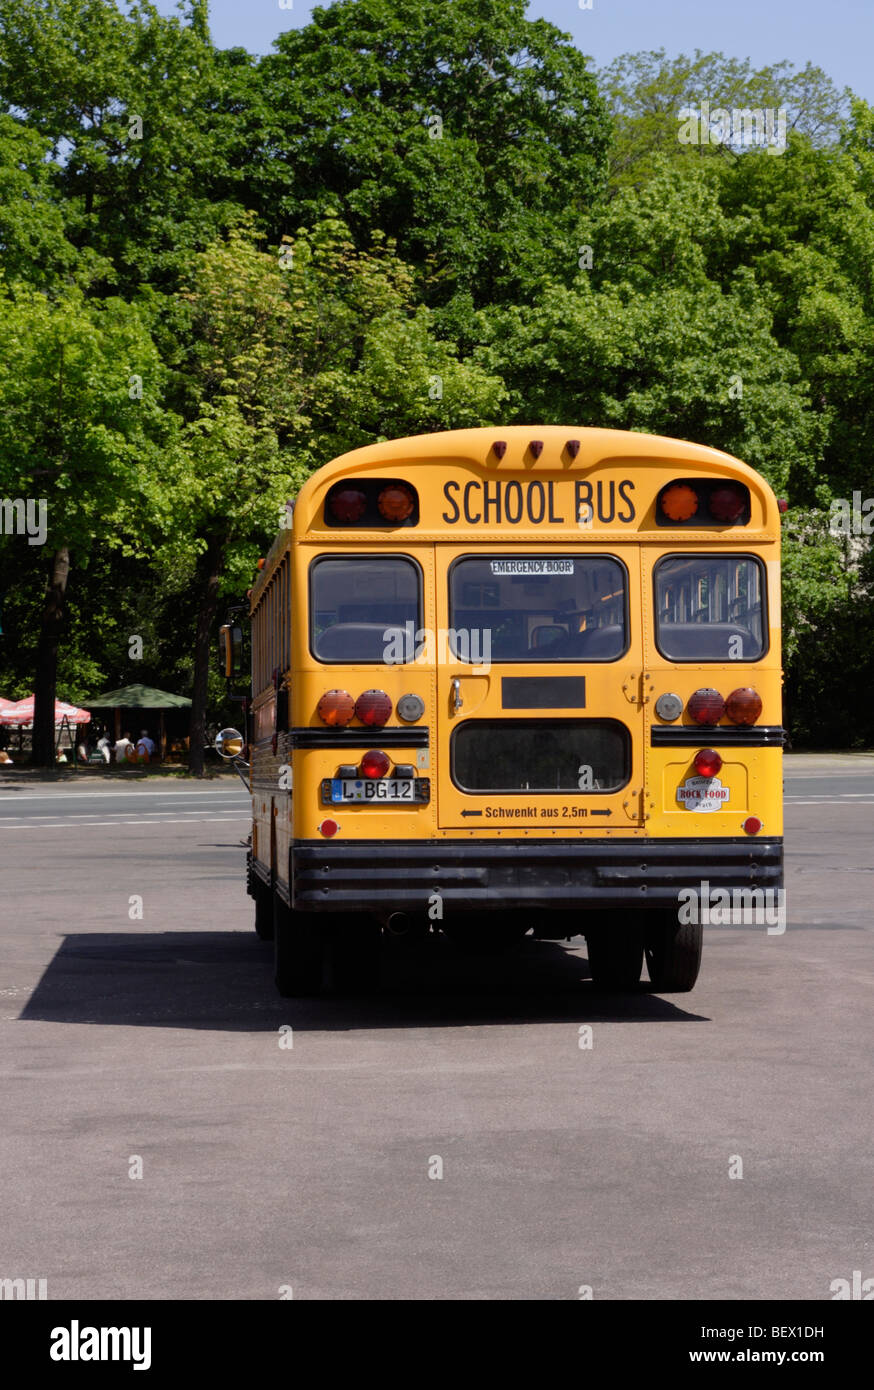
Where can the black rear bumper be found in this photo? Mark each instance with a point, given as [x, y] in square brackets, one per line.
[375, 875]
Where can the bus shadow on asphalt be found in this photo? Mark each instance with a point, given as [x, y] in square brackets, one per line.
[224, 980]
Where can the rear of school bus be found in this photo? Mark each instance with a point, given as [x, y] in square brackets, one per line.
[534, 685]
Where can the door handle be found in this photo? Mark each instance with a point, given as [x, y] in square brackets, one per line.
[457, 701]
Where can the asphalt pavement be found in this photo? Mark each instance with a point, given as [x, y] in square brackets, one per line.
[173, 1129]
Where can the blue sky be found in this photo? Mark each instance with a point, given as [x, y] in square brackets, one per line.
[838, 35]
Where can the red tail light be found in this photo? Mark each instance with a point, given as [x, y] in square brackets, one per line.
[374, 764]
[706, 706]
[679, 502]
[396, 502]
[348, 505]
[336, 708]
[707, 762]
[743, 706]
[727, 503]
[373, 708]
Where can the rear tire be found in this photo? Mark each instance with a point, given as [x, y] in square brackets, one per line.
[298, 951]
[263, 911]
[673, 955]
[616, 957]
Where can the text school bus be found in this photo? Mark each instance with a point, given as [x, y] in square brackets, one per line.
[511, 680]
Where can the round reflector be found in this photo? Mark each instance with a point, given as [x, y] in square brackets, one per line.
[744, 706]
[373, 708]
[396, 502]
[727, 503]
[374, 764]
[329, 828]
[669, 706]
[410, 708]
[349, 504]
[706, 706]
[336, 708]
[707, 762]
[752, 825]
[679, 502]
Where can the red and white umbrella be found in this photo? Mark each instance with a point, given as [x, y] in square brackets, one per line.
[21, 712]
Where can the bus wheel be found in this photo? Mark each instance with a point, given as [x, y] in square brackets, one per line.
[298, 951]
[615, 957]
[353, 954]
[673, 954]
[263, 911]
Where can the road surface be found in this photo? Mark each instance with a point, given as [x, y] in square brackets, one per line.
[156, 1045]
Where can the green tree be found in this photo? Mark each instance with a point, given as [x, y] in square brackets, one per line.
[646, 92]
[465, 131]
[138, 112]
[76, 436]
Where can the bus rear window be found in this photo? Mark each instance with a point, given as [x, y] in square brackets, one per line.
[710, 608]
[540, 607]
[357, 604]
[561, 755]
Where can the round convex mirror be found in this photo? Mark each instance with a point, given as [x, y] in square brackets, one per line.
[229, 743]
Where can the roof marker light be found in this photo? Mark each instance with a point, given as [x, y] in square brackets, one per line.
[536, 447]
[573, 447]
[499, 448]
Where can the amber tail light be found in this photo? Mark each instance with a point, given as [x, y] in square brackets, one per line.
[336, 708]
[744, 705]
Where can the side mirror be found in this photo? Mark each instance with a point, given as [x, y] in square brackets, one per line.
[228, 743]
[230, 649]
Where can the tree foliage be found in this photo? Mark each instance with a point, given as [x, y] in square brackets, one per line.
[220, 271]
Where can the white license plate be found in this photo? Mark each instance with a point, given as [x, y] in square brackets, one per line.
[373, 789]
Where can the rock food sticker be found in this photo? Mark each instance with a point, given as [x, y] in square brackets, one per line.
[703, 794]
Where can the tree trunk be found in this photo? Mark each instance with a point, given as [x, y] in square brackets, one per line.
[210, 569]
[43, 743]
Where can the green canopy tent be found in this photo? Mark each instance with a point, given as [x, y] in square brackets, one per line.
[139, 697]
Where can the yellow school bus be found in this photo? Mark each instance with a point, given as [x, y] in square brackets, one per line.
[512, 680]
